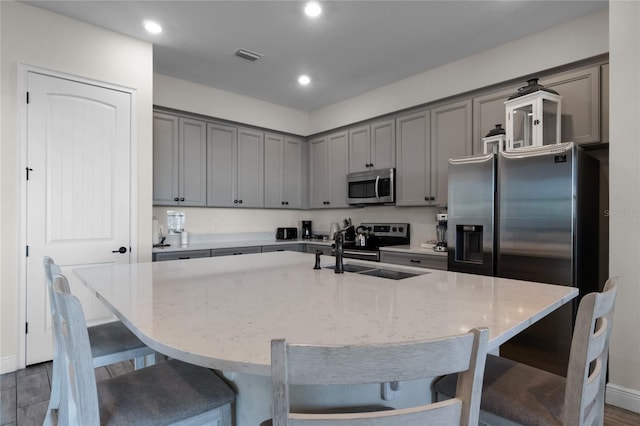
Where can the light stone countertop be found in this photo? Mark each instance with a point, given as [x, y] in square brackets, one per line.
[222, 312]
[207, 245]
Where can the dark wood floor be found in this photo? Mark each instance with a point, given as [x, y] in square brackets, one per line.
[25, 396]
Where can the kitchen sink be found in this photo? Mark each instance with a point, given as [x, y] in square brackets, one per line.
[378, 272]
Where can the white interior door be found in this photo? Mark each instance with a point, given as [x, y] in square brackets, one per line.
[78, 201]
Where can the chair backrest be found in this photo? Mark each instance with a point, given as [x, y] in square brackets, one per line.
[293, 364]
[586, 375]
[79, 401]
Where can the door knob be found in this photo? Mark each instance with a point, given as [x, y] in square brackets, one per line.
[122, 250]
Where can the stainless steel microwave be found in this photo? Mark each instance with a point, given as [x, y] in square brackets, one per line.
[371, 187]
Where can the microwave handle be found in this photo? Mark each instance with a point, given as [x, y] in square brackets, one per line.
[377, 183]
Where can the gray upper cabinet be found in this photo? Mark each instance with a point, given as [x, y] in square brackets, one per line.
[359, 148]
[250, 189]
[580, 91]
[179, 155]
[604, 98]
[328, 167]
[235, 167]
[451, 138]
[372, 146]
[282, 171]
[414, 161]
[383, 144]
[222, 144]
[489, 110]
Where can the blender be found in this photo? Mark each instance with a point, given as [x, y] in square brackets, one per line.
[441, 232]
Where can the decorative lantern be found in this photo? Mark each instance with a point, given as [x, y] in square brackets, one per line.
[533, 116]
[495, 141]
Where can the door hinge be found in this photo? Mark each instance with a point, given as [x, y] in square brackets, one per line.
[26, 328]
[29, 169]
[27, 97]
[27, 251]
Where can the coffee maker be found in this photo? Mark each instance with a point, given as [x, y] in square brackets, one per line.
[441, 232]
[307, 233]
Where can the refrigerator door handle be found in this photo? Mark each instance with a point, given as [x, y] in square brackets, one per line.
[470, 160]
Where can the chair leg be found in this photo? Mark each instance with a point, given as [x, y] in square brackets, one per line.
[54, 399]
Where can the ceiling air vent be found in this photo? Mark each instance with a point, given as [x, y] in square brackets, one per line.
[248, 55]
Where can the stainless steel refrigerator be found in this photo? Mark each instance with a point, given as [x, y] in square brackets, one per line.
[530, 215]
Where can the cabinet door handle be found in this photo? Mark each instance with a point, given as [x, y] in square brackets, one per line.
[414, 261]
[235, 201]
[240, 201]
[186, 257]
[181, 198]
[176, 199]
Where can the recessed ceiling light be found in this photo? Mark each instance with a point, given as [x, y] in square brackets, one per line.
[304, 80]
[312, 9]
[152, 27]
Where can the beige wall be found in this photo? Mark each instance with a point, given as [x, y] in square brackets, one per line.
[186, 96]
[563, 44]
[624, 240]
[32, 36]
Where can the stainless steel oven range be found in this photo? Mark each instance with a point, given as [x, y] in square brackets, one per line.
[371, 236]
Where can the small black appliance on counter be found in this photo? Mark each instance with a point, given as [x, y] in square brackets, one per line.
[286, 233]
[307, 233]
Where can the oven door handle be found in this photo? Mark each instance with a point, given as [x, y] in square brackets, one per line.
[377, 185]
[360, 253]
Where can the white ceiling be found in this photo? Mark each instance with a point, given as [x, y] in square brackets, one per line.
[353, 47]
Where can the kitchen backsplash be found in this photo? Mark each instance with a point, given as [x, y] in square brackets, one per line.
[219, 221]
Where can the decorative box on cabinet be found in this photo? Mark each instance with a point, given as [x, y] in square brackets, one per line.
[488, 110]
[179, 158]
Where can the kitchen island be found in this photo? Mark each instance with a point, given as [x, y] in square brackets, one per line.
[223, 312]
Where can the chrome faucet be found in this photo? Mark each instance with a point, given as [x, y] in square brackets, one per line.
[339, 251]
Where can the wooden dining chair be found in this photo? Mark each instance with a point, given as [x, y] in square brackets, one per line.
[515, 393]
[296, 364]
[110, 343]
[170, 392]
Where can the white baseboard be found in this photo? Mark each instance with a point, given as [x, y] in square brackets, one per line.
[629, 399]
[8, 364]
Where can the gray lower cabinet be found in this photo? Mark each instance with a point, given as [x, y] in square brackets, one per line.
[411, 259]
[323, 248]
[328, 168]
[179, 159]
[283, 171]
[283, 247]
[185, 254]
[233, 251]
[451, 138]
